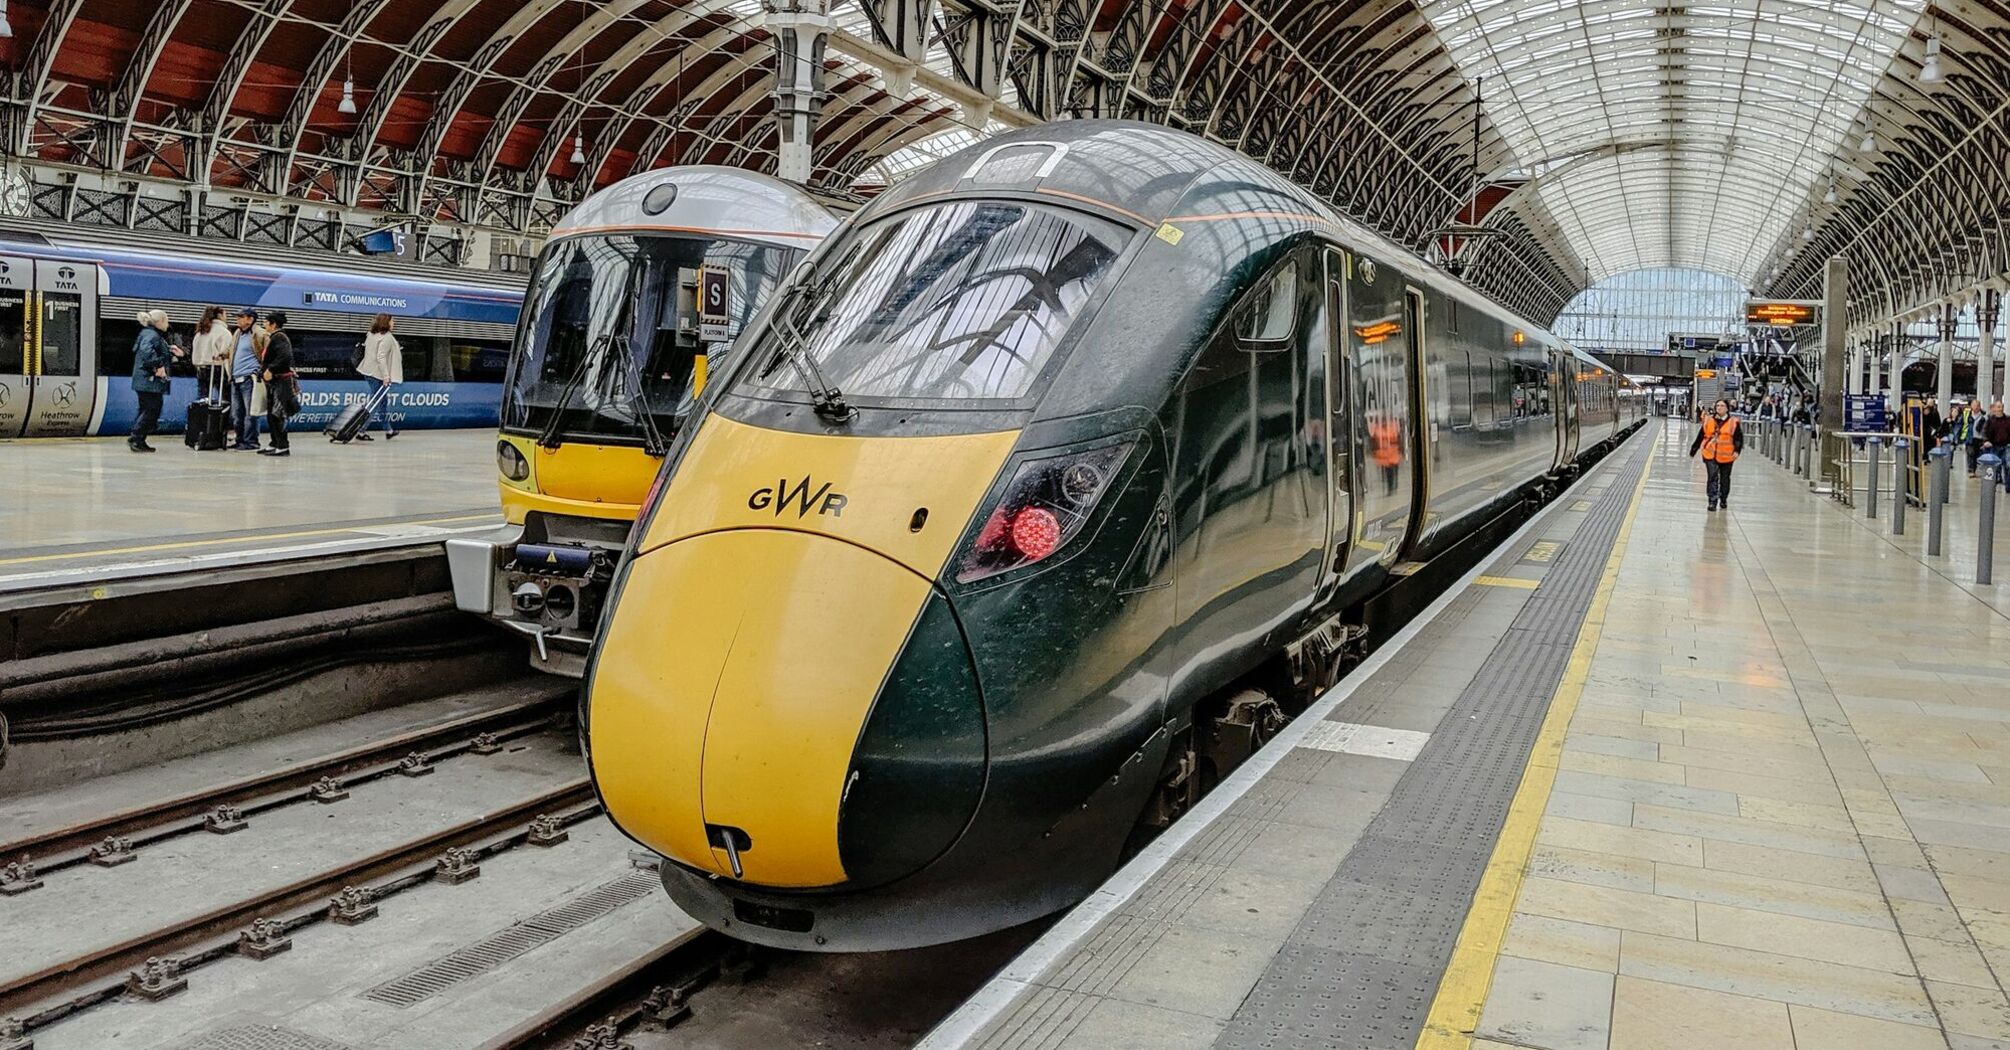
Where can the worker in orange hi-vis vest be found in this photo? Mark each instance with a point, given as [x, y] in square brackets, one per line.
[1385, 445]
[1720, 439]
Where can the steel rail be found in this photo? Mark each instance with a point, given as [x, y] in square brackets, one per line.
[64, 987]
[70, 844]
[637, 990]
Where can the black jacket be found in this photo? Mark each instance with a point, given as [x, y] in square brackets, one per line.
[1996, 431]
[1930, 423]
[1737, 438]
[279, 353]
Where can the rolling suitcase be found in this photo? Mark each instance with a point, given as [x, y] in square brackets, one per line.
[208, 420]
[353, 418]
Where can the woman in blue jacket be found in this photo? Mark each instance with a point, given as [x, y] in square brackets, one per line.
[151, 357]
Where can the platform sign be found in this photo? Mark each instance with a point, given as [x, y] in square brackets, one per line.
[1779, 313]
[715, 301]
[1865, 412]
[1709, 387]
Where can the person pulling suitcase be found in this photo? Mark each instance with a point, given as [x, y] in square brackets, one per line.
[382, 364]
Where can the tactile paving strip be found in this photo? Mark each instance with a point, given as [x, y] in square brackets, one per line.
[1363, 964]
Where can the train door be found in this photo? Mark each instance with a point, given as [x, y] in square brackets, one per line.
[1335, 424]
[17, 364]
[1423, 426]
[64, 383]
[1379, 345]
[1563, 394]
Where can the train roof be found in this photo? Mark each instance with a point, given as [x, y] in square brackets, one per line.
[1148, 172]
[159, 278]
[707, 199]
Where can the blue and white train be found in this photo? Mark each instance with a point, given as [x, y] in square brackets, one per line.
[67, 329]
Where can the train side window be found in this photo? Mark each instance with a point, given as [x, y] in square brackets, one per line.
[1267, 318]
[1460, 369]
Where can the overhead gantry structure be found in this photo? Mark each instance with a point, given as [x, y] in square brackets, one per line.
[1589, 137]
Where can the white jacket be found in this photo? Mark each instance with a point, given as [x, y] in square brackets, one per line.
[213, 347]
[382, 358]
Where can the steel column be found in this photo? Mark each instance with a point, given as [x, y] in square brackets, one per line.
[802, 29]
[1950, 317]
[1988, 305]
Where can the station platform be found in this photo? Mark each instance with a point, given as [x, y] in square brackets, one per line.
[86, 509]
[1651, 777]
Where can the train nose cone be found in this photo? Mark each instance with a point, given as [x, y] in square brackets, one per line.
[736, 701]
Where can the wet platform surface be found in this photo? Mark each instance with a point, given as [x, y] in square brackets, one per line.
[89, 508]
[1654, 777]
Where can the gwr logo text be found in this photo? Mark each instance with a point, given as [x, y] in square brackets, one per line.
[783, 495]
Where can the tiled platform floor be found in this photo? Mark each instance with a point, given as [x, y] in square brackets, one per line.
[1782, 812]
[90, 504]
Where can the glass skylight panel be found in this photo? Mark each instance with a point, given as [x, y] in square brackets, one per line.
[1742, 105]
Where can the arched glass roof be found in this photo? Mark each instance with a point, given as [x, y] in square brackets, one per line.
[1673, 135]
[1641, 310]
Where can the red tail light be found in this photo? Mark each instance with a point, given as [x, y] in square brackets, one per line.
[1046, 503]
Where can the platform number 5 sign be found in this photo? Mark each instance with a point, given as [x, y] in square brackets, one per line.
[715, 296]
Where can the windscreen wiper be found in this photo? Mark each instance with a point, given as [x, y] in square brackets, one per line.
[549, 438]
[637, 400]
[826, 400]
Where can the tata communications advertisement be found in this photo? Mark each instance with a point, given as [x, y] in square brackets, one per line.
[415, 406]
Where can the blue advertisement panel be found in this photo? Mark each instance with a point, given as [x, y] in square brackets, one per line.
[416, 406]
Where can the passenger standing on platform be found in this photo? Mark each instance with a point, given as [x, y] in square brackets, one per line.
[1964, 428]
[151, 357]
[210, 351]
[1720, 439]
[1996, 432]
[244, 368]
[1930, 423]
[281, 396]
[384, 365]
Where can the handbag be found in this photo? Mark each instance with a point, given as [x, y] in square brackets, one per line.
[285, 395]
[260, 399]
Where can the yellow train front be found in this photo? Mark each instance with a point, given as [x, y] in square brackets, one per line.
[1027, 508]
[638, 292]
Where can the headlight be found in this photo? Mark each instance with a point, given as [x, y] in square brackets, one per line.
[511, 462]
[1044, 506]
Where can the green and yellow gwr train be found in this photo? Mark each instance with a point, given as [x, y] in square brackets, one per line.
[1038, 497]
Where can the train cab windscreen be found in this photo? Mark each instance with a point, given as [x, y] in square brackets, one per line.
[962, 301]
[613, 327]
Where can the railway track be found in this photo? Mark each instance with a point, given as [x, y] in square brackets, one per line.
[227, 807]
[152, 965]
[653, 990]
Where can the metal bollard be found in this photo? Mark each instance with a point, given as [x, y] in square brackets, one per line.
[1873, 447]
[1985, 536]
[1898, 450]
[1937, 480]
[1779, 443]
[1950, 451]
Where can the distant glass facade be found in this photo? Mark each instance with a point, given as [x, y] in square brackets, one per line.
[1639, 310]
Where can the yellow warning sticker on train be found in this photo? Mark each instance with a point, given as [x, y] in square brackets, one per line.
[1169, 233]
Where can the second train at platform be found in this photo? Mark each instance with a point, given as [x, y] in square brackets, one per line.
[1044, 491]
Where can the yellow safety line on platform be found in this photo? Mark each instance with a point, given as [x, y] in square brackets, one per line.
[1507, 581]
[184, 544]
[1462, 992]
